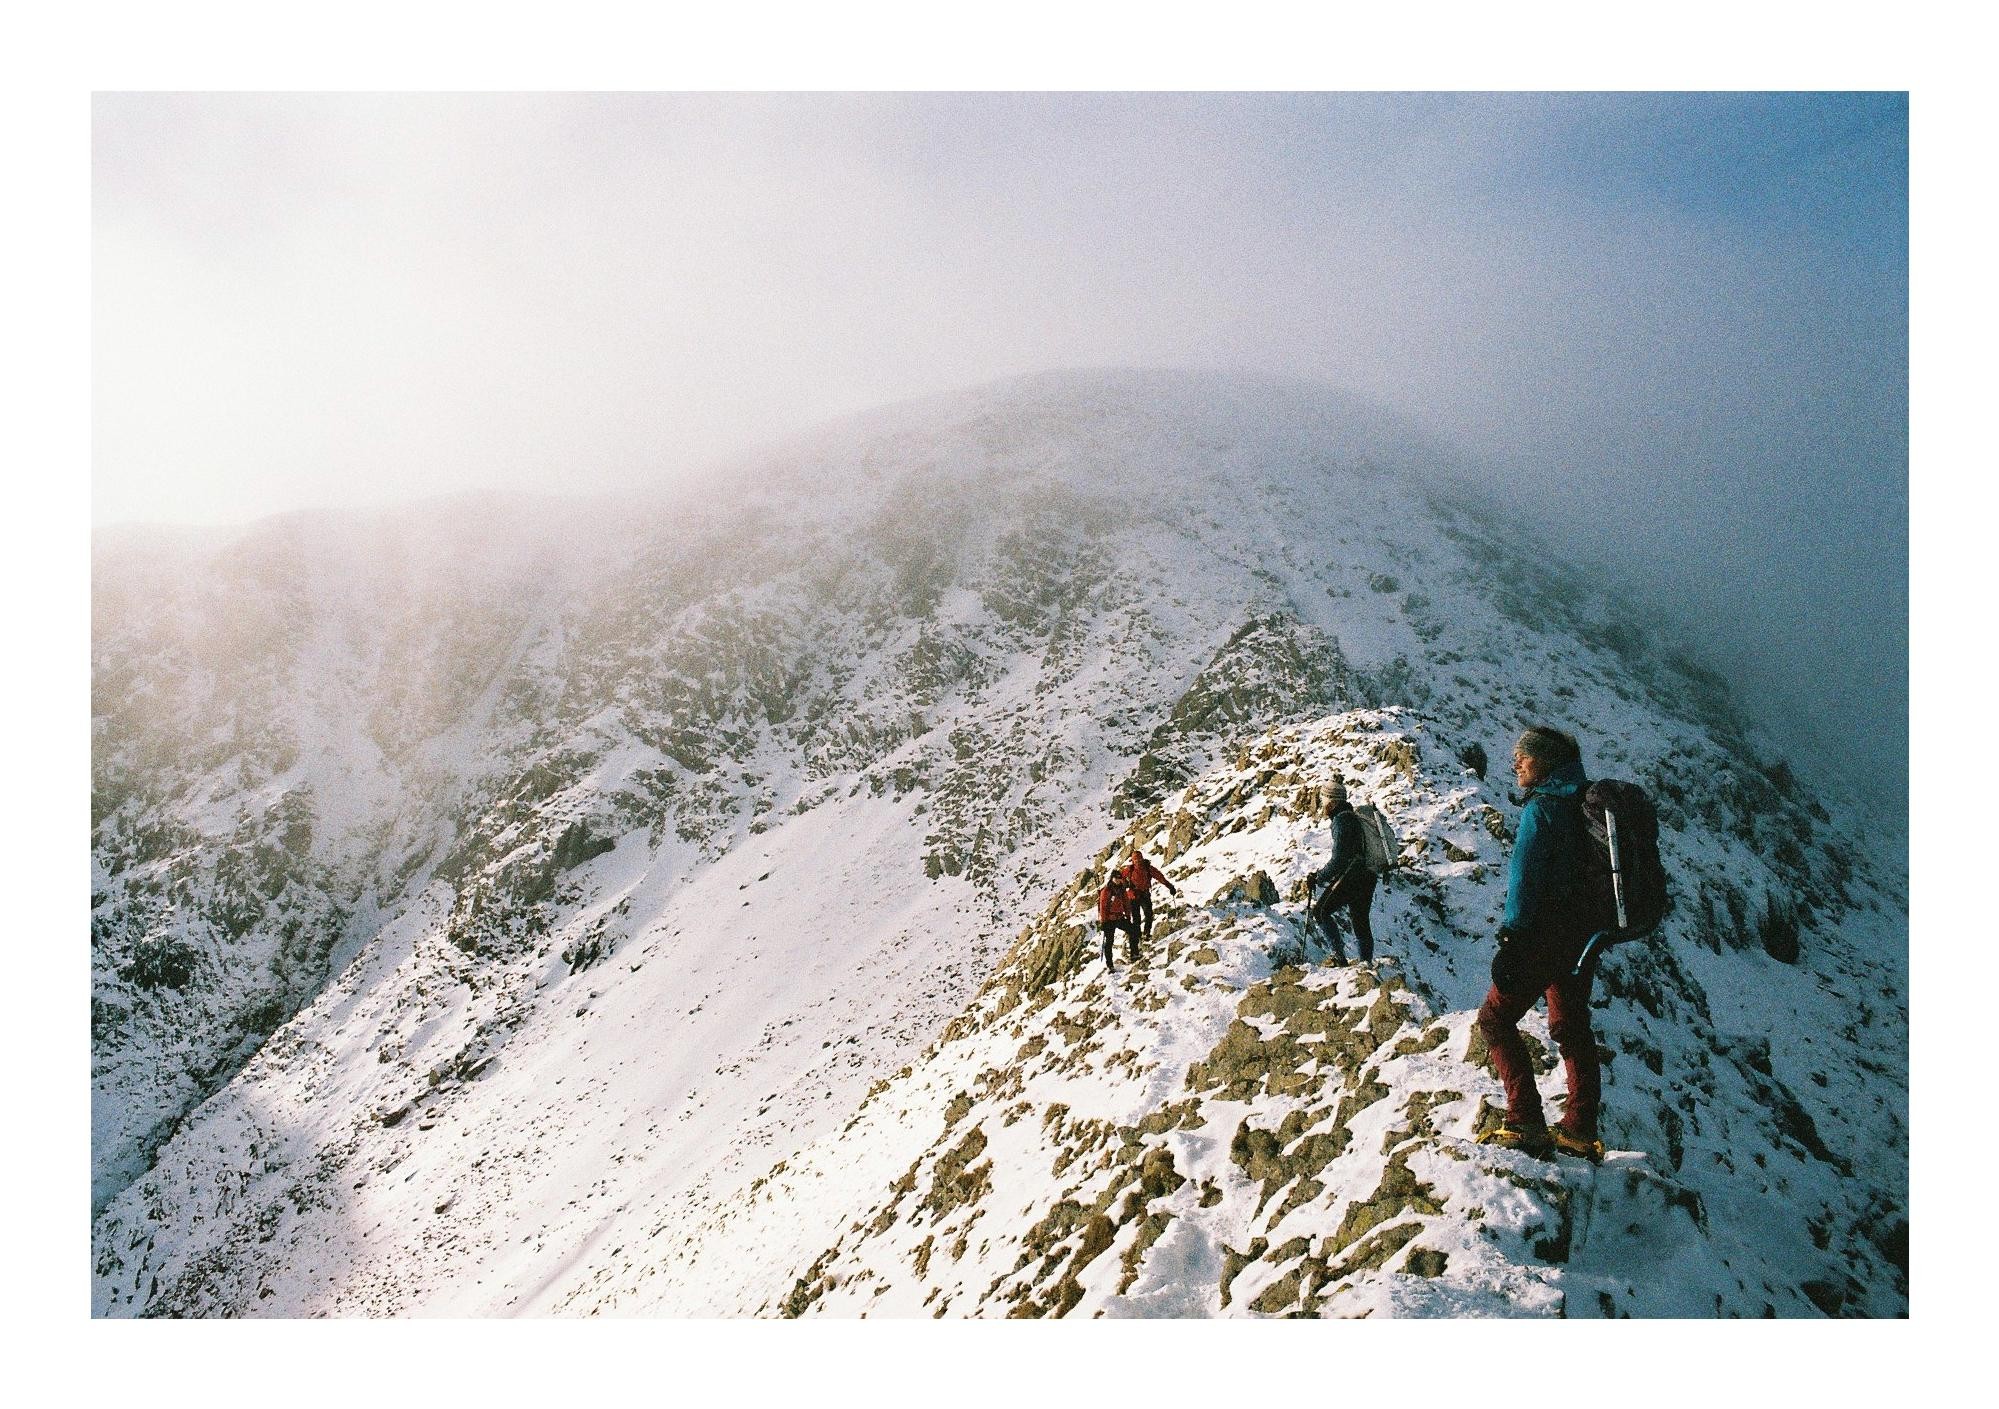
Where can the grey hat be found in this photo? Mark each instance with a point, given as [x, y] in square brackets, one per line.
[1548, 745]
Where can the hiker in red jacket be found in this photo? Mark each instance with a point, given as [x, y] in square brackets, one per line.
[1117, 909]
[1139, 874]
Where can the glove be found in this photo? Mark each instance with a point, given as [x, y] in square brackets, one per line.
[1513, 965]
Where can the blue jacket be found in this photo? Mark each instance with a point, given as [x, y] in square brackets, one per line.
[1348, 849]
[1546, 854]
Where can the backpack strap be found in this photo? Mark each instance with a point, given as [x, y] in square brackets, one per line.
[1341, 878]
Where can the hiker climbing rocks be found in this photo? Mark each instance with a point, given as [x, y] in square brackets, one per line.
[1117, 909]
[1547, 923]
[1348, 881]
[1139, 874]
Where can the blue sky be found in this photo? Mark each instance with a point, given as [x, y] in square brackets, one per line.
[1830, 168]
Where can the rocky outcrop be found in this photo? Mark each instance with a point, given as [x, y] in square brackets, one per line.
[1245, 1127]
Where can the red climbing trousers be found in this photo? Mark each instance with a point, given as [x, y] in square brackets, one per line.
[1568, 1023]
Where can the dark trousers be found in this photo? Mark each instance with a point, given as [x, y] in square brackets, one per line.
[1143, 907]
[1130, 928]
[1568, 1023]
[1355, 895]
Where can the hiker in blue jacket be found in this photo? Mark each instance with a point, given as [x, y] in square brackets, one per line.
[1545, 927]
[1347, 881]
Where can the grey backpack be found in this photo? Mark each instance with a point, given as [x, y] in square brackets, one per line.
[1379, 845]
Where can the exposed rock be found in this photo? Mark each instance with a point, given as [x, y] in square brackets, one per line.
[955, 1181]
[1255, 888]
[1425, 1262]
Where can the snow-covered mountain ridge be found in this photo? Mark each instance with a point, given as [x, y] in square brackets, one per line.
[1239, 1125]
[564, 872]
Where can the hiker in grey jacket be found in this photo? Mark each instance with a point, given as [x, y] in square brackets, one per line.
[1346, 880]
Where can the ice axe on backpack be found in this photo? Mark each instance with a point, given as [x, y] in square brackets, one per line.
[1603, 939]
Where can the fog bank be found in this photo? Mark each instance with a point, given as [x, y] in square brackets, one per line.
[1670, 328]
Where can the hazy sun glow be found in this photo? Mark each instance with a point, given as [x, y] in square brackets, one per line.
[1674, 327]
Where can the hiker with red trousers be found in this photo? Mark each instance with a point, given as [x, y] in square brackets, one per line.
[1139, 874]
[1117, 909]
[1546, 925]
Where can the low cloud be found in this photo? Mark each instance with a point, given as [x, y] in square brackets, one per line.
[1671, 329]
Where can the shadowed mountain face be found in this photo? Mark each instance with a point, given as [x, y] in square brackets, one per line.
[489, 870]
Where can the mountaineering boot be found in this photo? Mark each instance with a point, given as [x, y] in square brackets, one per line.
[1567, 1142]
[1528, 1139]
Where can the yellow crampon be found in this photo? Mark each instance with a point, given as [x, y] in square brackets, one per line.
[1512, 1137]
[1572, 1144]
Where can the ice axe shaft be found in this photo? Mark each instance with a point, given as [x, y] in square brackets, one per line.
[1603, 938]
[1616, 867]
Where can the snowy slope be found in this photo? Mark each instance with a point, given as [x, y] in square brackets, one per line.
[1242, 1126]
[274, 715]
[645, 840]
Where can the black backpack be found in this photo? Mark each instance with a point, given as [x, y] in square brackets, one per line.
[1624, 892]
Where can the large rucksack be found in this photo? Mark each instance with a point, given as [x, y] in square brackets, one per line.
[1623, 882]
[1378, 842]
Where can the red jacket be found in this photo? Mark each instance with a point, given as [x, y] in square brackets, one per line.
[1140, 874]
[1113, 904]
